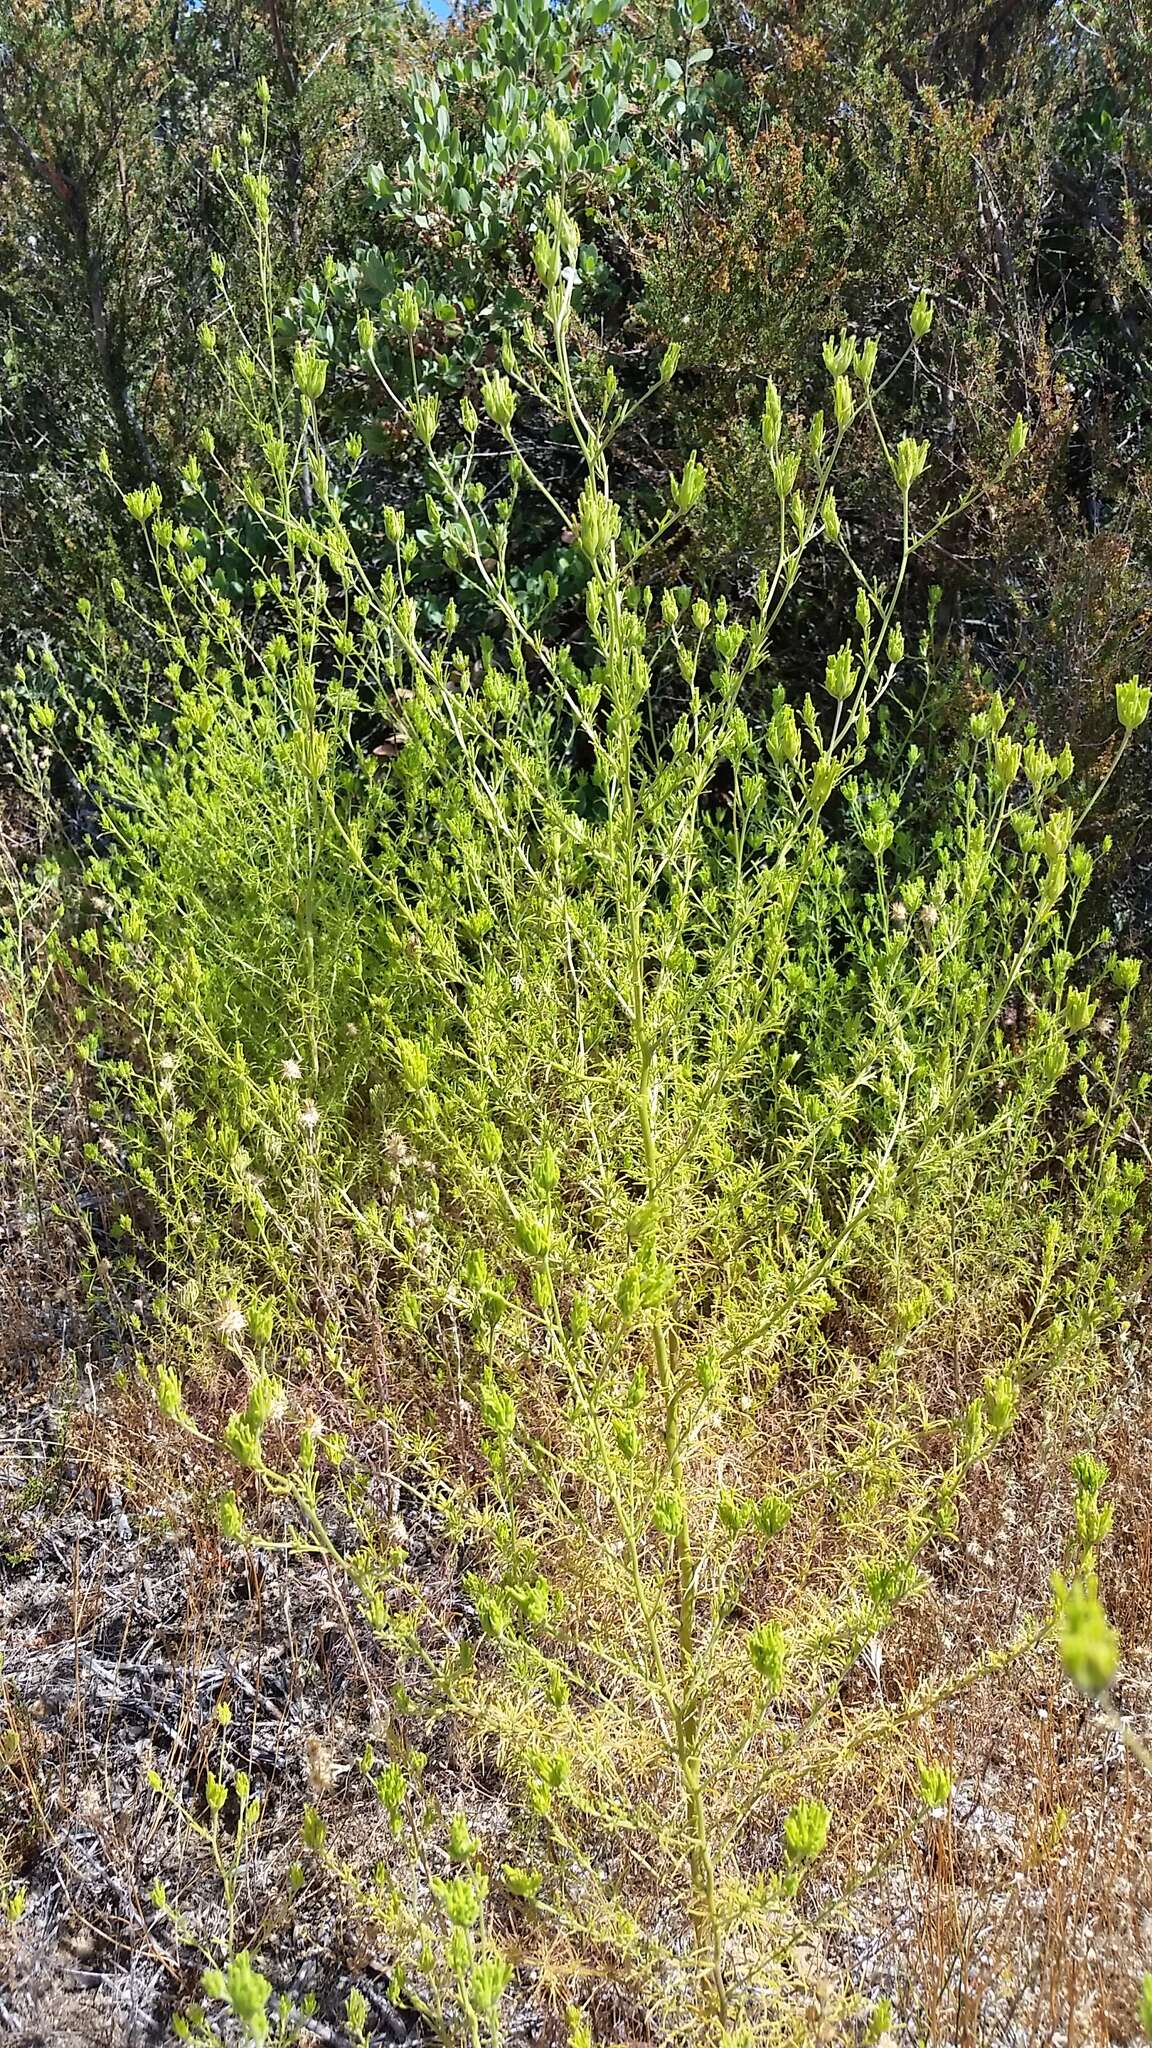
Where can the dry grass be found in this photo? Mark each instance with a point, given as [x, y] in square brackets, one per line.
[1025, 1916]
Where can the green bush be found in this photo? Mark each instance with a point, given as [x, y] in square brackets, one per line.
[720, 1159]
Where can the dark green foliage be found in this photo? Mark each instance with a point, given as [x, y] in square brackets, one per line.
[1001, 164]
[109, 117]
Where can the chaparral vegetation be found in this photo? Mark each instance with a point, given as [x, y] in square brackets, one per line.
[574, 1109]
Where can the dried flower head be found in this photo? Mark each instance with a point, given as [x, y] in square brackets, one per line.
[231, 1322]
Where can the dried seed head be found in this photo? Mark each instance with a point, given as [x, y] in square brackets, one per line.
[231, 1320]
[318, 1764]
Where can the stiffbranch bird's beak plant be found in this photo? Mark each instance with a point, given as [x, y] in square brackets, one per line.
[624, 1056]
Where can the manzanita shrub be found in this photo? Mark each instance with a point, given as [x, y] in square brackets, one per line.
[716, 1165]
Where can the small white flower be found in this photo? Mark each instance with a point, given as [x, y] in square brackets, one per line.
[231, 1321]
[309, 1115]
[291, 1070]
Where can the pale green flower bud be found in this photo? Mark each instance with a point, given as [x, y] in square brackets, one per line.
[546, 257]
[688, 489]
[806, 1831]
[839, 354]
[1039, 766]
[708, 1372]
[461, 1898]
[909, 464]
[772, 1514]
[1132, 702]
[246, 1992]
[1017, 438]
[1055, 836]
[668, 1514]
[935, 1787]
[830, 517]
[735, 1514]
[424, 413]
[627, 1437]
[229, 1519]
[1089, 1645]
[785, 470]
[598, 521]
[242, 1441]
[1005, 765]
[768, 1655]
[408, 311]
[920, 318]
[823, 782]
[498, 1410]
[772, 418]
[260, 193]
[309, 373]
[1079, 1009]
[783, 737]
[487, 1984]
[670, 362]
[169, 1395]
[265, 1401]
[1001, 1403]
[415, 1066]
[366, 333]
[557, 134]
[546, 1171]
[840, 673]
[499, 399]
[533, 1235]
